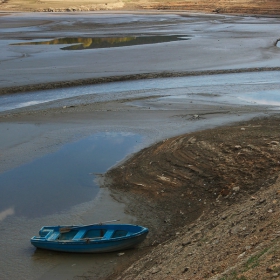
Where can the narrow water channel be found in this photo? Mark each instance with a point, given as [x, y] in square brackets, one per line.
[233, 87]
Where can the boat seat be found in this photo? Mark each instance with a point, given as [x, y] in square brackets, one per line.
[79, 234]
[54, 236]
[108, 234]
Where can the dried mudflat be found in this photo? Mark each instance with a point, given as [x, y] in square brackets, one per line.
[213, 193]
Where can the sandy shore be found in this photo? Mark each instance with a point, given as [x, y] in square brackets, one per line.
[225, 45]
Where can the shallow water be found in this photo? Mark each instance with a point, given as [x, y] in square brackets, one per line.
[271, 97]
[54, 189]
[62, 179]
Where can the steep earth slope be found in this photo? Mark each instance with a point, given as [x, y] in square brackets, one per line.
[211, 200]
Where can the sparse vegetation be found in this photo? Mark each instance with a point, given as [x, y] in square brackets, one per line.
[254, 260]
[234, 276]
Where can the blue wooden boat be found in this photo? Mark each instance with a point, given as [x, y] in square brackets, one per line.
[97, 238]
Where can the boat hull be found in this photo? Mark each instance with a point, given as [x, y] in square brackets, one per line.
[91, 245]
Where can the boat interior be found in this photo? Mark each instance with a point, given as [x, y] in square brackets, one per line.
[75, 234]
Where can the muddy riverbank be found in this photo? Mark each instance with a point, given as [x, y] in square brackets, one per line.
[227, 68]
[35, 131]
[210, 199]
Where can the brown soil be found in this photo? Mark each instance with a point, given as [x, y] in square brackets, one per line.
[218, 6]
[271, 7]
[211, 200]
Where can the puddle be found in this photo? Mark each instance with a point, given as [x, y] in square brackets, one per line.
[106, 42]
[278, 44]
[63, 179]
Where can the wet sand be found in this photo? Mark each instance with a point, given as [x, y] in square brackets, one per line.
[220, 43]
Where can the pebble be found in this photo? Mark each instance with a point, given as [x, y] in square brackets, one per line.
[236, 189]
[262, 201]
[248, 248]
[120, 254]
[186, 269]
[155, 270]
[186, 243]
[241, 255]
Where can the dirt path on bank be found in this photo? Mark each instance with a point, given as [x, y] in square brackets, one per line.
[210, 198]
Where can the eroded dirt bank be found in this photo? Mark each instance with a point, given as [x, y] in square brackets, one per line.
[218, 6]
[211, 202]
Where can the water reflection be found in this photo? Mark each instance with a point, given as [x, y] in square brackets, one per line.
[108, 42]
[7, 212]
[63, 179]
[271, 97]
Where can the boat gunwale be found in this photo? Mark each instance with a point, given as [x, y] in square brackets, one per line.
[92, 240]
[88, 241]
